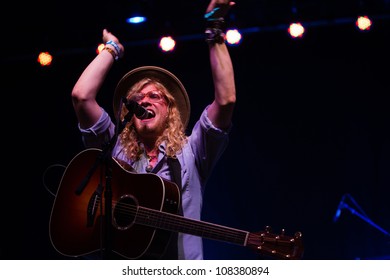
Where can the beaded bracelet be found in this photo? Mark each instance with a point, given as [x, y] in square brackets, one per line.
[112, 43]
[112, 52]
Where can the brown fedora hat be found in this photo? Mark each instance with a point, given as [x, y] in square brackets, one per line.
[170, 81]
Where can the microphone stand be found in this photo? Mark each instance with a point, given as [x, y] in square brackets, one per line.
[105, 157]
[363, 217]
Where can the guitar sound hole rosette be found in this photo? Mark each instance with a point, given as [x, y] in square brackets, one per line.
[124, 212]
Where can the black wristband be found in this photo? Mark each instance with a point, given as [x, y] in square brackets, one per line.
[215, 31]
[214, 35]
[216, 23]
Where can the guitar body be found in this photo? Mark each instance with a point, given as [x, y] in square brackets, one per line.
[144, 214]
[77, 219]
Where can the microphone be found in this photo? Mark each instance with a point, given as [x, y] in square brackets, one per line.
[339, 208]
[139, 111]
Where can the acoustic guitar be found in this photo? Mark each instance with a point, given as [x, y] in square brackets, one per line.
[144, 215]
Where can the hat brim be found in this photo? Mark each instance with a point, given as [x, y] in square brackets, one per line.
[170, 81]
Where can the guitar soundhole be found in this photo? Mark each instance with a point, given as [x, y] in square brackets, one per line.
[124, 212]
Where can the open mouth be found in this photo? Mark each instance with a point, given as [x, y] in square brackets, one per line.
[151, 114]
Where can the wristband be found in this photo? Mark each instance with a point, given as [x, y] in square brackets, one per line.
[217, 13]
[112, 43]
[112, 52]
[214, 35]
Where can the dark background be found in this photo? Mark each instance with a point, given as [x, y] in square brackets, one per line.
[311, 121]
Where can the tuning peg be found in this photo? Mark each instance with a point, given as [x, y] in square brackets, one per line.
[298, 235]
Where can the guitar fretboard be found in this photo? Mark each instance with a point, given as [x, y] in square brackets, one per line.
[175, 223]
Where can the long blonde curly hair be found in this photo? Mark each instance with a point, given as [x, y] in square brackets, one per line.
[174, 134]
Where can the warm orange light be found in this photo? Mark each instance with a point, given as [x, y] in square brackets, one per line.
[100, 48]
[45, 59]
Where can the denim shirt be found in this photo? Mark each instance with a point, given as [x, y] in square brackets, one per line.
[198, 157]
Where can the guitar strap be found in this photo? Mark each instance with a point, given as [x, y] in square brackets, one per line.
[171, 252]
[175, 168]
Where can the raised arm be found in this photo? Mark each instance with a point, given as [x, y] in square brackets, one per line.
[88, 85]
[221, 110]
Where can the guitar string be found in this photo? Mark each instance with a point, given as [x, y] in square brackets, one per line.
[261, 242]
[212, 228]
[226, 233]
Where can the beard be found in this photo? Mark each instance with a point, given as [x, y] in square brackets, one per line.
[151, 129]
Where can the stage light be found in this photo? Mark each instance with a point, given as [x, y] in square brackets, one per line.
[138, 11]
[296, 30]
[136, 19]
[233, 37]
[99, 48]
[167, 44]
[45, 59]
[363, 23]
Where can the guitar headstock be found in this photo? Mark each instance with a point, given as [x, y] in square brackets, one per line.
[279, 246]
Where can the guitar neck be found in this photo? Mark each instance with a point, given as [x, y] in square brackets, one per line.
[176, 223]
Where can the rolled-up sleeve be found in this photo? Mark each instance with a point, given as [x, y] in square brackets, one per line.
[208, 143]
[100, 133]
